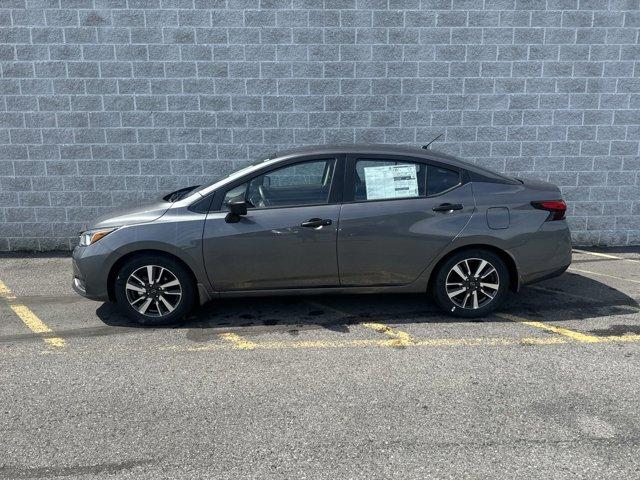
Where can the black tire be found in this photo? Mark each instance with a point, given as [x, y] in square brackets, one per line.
[485, 304]
[160, 314]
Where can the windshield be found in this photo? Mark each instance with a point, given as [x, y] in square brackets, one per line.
[178, 194]
[238, 172]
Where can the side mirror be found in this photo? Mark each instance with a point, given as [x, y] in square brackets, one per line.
[236, 210]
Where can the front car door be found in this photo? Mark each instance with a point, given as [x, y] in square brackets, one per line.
[288, 237]
[395, 217]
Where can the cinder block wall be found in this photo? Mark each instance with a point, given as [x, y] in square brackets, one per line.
[104, 102]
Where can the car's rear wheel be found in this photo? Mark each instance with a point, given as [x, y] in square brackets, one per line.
[471, 283]
[154, 290]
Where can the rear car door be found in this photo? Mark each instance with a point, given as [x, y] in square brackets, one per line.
[288, 237]
[398, 214]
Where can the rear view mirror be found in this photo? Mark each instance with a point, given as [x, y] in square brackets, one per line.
[237, 209]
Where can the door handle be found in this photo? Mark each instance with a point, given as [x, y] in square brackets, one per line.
[448, 207]
[317, 223]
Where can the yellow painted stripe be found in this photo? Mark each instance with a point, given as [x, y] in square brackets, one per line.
[239, 342]
[603, 275]
[29, 318]
[401, 338]
[342, 344]
[572, 334]
[324, 344]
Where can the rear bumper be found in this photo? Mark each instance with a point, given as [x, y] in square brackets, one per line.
[547, 254]
[551, 274]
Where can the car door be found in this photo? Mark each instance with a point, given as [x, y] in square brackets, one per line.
[398, 214]
[288, 237]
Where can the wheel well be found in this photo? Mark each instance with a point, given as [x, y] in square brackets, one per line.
[504, 256]
[111, 279]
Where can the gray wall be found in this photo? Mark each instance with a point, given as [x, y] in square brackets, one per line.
[108, 101]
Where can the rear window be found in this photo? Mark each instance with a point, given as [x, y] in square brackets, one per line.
[482, 174]
[441, 179]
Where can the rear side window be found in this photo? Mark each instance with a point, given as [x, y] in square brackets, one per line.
[389, 179]
[441, 179]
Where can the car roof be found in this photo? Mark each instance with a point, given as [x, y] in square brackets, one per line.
[372, 149]
[361, 149]
[396, 150]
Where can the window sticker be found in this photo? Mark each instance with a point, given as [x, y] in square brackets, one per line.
[391, 181]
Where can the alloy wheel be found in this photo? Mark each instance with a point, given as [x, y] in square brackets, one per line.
[472, 283]
[153, 290]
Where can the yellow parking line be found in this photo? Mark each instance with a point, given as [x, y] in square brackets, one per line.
[571, 269]
[29, 318]
[340, 344]
[577, 336]
[401, 338]
[238, 342]
[324, 344]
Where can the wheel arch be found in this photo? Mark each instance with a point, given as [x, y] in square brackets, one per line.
[115, 268]
[514, 283]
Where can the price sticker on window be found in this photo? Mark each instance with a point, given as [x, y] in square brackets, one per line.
[391, 181]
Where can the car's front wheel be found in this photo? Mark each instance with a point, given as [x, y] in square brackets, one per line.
[154, 290]
[471, 283]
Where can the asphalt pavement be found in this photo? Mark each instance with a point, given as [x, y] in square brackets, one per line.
[335, 387]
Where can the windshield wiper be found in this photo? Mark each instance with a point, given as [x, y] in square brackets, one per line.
[178, 194]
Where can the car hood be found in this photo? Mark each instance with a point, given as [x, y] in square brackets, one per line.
[132, 214]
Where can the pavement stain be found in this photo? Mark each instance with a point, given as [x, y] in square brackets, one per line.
[616, 330]
[14, 472]
[205, 331]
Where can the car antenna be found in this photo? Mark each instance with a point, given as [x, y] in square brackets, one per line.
[426, 147]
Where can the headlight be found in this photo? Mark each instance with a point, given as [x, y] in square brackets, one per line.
[92, 236]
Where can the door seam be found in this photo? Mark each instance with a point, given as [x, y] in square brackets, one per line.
[337, 252]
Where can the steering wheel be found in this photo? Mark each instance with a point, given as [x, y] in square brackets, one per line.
[263, 197]
[253, 198]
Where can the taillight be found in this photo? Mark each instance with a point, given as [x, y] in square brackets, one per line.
[557, 208]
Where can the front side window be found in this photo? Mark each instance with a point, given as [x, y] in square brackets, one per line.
[305, 183]
[236, 194]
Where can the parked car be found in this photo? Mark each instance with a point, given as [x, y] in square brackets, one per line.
[330, 219]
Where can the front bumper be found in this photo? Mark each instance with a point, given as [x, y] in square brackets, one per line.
[91, 267]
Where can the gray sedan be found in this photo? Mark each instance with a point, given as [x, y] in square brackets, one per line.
[330, 219]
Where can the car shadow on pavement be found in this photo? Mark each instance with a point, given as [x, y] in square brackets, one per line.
[569, 297]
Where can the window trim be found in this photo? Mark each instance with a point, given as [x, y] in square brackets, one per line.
[335, 189]
[350, 176]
